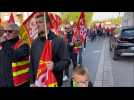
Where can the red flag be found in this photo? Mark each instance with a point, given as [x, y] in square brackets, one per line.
[55, 22]
[45, 77]
[11, 19]
[29, 30]
[58, 19]
[0, 21]
[79, 33]
[81, 20]
[82, 26]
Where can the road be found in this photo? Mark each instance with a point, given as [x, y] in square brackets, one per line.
[112, 73]
[91, 57]
[123, 72]
[118, 73]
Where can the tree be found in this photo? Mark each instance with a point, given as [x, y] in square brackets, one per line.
[74, 16]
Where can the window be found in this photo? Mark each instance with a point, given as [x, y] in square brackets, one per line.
[128, 32]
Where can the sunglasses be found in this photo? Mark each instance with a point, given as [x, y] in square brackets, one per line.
[8, 31]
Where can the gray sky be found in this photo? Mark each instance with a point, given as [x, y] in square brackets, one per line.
[105, 15]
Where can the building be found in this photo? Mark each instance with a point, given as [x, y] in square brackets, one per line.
[128, 19]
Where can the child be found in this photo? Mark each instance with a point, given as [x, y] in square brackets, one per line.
[80, 77]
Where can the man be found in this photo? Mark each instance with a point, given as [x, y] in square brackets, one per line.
[14, 59]
[59, 51]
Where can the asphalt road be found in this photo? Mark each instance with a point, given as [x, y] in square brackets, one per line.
[91, 57]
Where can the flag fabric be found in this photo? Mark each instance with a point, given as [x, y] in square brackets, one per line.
[79, 33]
[55, 22]
[45, 77]
[11, 19]
[1, 22]
[24, 35]
[82, 26]
[29, 30]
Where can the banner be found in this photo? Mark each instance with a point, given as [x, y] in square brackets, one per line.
[29, 30]
[45, 77]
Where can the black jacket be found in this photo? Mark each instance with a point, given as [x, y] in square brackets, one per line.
[7, 55]
[69, 38]
[60, 57]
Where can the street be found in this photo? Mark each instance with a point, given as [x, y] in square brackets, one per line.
[91, 57]
[104, 71]
[72, 28]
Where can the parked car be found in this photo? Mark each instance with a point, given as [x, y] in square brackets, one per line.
[122, 43]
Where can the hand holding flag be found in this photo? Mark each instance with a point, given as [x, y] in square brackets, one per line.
[45, 76]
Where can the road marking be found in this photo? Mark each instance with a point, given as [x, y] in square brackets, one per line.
[104, 75]
[99, 74]
[96, 51]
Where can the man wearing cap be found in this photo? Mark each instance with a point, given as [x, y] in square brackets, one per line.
[14, 59]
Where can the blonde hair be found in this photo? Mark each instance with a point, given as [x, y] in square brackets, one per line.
[81, 70]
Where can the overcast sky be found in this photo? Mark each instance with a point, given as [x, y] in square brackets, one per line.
[105, 15]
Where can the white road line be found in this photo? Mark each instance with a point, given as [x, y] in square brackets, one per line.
[96, 51]
[107, 72]
[99, 74]
[104, 77]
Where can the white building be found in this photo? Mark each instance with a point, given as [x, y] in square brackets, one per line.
[128, 19]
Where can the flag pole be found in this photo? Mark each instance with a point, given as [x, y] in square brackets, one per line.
[46, 32]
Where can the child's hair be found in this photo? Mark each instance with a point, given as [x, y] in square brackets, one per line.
[81, 70]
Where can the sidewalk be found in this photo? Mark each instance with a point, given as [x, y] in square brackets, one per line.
[104, 77]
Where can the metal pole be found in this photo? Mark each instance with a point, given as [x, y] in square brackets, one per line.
[46, 32]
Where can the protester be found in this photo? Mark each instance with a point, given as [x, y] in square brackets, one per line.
[14, 59]
[59, 61]
[71, 44]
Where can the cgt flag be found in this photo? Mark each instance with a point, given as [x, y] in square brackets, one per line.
[82, 26]
[45, 77]
[55, 22]
[29, 30]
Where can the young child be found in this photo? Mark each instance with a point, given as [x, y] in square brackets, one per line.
[80, 77]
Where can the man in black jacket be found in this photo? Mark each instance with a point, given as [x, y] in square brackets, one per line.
[71, 45]
[60, 60]
[8, 55]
